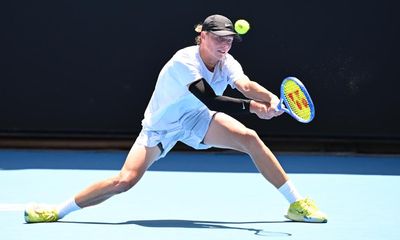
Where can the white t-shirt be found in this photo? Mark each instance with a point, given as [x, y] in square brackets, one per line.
[172, 102]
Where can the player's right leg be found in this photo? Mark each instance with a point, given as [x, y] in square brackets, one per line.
[137, 162]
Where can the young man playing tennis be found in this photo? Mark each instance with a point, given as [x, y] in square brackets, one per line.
[187, 105]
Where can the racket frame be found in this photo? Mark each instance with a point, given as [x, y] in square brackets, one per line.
[284, 101]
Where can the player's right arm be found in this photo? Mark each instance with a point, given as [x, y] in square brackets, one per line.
[203, 91]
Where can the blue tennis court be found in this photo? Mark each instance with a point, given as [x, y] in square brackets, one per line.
[202, 195]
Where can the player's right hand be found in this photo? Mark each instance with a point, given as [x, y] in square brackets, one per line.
[263, 110]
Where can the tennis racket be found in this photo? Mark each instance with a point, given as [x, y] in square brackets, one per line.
[296, 101]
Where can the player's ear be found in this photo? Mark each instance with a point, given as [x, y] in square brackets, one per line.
[203, 34]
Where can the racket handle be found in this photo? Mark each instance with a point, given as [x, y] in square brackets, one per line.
[281, 107]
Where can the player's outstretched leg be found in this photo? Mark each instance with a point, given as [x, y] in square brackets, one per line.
[137, 162]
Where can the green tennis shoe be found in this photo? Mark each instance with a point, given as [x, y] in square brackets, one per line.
[36, 213]
[305, 210]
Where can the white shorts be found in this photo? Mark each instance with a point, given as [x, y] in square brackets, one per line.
[192, 133]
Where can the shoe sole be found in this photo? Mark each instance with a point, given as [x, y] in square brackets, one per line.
[307, 220]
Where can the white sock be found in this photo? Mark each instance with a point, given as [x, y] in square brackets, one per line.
[67, 207]
[290, 192]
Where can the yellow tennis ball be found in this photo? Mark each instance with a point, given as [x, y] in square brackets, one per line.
[242, 26]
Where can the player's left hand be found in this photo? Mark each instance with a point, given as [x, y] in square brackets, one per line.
[273, 106]
[263, 110]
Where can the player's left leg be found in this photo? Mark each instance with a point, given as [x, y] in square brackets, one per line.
[226, 132]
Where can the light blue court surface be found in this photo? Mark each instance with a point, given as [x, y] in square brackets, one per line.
[199, 195]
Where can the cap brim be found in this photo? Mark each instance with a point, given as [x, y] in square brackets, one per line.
[224, 33]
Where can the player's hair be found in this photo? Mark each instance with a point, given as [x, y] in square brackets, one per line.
[198, 29]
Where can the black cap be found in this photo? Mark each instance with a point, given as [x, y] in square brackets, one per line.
[219, 25]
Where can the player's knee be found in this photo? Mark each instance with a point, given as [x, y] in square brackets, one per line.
[123, 183]
[249, 140]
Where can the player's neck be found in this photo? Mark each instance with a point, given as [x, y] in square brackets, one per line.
[208, 60]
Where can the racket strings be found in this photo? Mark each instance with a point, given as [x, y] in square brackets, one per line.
[296, 100]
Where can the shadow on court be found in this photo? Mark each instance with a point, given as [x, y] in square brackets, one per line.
[173, 223]
[201, 161]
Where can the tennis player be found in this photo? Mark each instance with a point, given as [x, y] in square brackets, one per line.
[187, 105]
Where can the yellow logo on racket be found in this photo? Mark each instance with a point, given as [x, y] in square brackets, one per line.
[297, 100]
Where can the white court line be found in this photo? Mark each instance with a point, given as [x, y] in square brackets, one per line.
[4, 207]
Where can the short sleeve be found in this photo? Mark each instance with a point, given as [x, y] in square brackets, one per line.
[233, 71]
[185, 73]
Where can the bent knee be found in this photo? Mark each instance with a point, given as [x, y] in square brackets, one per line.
[248, 139]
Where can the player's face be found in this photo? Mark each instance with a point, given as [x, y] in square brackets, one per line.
[217, 46]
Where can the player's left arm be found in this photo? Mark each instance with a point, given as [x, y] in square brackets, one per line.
[252, 90]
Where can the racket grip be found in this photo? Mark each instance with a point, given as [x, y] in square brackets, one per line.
[281, 107]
